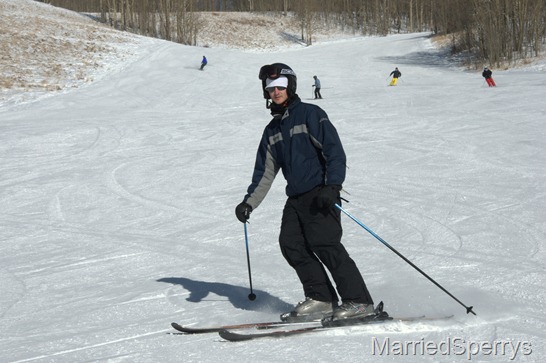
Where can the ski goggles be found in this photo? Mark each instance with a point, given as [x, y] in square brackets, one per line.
[273, 71]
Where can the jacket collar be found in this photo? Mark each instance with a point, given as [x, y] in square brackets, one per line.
[280, 112]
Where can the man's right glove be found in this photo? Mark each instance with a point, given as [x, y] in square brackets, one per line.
[242, 211]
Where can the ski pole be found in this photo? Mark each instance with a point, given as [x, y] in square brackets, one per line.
[468, 308]
[251, 296]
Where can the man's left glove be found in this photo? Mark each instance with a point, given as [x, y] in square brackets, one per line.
[242, 211]
[327, 196]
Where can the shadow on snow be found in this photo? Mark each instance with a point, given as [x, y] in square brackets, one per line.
[237, 295]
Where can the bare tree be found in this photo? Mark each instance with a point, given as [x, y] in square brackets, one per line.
[187, 22]
[495, 31]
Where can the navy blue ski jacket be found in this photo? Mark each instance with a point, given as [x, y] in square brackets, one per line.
[305, 145]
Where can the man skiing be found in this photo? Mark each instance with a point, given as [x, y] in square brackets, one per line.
[301, 141]
[317, 87]
[487, 74]
[395, 75]
[203, 63]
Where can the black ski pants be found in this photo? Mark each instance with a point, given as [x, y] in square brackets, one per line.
[310, 239]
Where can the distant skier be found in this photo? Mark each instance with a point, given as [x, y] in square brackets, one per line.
[317, 87]
[395, 75]
[203, 63]
[487, 75]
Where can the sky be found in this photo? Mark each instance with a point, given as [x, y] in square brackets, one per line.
[118, 203]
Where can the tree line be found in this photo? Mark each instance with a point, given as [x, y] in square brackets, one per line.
[494, 32]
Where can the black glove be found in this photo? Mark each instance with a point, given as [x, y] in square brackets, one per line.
[327, 196]
[242, 211]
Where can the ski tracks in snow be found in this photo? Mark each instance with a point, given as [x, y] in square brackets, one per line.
[116, 186]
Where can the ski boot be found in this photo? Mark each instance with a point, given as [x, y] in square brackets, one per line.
[309, 310]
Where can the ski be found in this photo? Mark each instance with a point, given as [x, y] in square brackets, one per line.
[259, 325]
[284, 328]
[233, 336]
[230, 335]
[239, 337]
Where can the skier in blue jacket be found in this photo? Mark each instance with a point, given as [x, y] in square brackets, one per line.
[301, 141]
[203, 63]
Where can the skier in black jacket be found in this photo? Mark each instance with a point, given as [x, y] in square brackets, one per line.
[487, 74]
[395, 75]
[302, 142]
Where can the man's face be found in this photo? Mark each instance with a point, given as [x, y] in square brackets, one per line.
[279, 95]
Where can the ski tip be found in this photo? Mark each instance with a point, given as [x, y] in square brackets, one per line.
[179, 327]
[379, 308]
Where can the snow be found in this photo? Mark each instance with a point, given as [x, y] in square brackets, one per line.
[118, 200]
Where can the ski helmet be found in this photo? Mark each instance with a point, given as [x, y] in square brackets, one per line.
[274, 71]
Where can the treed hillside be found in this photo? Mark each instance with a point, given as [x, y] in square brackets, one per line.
[46, 49]
[498, 32]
